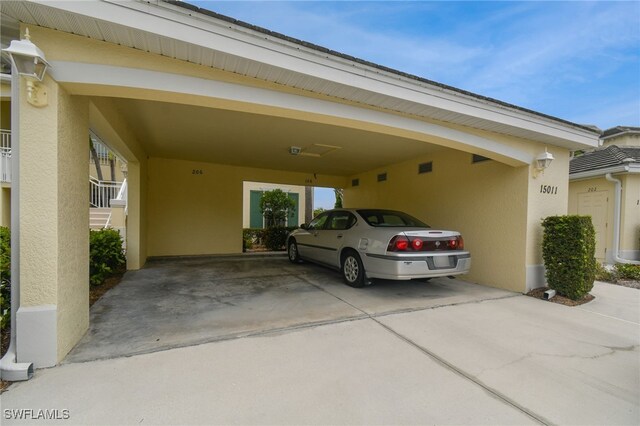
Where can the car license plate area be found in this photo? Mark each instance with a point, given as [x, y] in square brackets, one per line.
[443, 262]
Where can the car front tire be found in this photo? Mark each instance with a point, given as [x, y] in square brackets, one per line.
[353, 270]
[292, 252]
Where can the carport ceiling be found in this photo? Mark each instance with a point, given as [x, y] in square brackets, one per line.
[196, 133]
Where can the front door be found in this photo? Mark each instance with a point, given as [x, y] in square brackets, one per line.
[596, 205]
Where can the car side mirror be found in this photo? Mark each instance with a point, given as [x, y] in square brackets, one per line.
[304, 226]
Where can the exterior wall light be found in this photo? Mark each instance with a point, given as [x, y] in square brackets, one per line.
[543, 161]
[29, 61]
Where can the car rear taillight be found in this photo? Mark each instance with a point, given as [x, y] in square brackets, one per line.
[398, 243]
[417, 244]
[456, 244]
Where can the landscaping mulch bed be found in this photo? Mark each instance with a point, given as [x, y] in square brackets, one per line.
[97, 291]
[626, 283]
[538, 293]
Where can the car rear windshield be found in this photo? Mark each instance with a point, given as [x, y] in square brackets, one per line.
[390, 218]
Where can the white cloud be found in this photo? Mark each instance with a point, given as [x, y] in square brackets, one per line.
[540, 55]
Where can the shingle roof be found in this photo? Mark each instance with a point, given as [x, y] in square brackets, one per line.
[611, 156]
[619, 130]
[318, 48]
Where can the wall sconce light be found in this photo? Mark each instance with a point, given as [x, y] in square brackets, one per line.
[29, 61]
[543, 161]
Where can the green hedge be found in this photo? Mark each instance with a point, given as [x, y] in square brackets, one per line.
[272, 238]
[626, 271]
[106, 255]
[5, 277]
[568, 250]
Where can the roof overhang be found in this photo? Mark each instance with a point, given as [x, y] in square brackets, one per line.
[589, 174]
[621, 133]
[186, 34]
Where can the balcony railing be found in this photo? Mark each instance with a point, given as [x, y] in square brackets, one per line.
[5, 155]
[102, 192]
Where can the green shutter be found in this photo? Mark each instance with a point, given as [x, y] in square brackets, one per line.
[293, 215]
[255, 216]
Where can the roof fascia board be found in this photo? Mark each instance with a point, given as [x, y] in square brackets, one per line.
[601, 172]
[164, 19]
[106, 75]
[623, 133]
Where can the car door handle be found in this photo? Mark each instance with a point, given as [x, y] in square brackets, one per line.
[339, 235]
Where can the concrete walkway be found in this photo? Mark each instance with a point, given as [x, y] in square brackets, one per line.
[509, 360]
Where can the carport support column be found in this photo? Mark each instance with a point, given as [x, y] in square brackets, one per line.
[54, 226]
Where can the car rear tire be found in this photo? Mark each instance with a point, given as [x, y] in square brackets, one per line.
[353, 270]
[292, 252]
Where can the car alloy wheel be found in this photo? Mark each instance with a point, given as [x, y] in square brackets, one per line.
[294, 256]
[353, 270]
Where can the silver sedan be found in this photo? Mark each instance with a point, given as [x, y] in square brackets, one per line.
[373, 243]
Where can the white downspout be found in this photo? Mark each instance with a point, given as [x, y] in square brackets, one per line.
[10, 369]
[616, 221]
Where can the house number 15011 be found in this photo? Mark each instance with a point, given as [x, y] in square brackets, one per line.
[548, 189]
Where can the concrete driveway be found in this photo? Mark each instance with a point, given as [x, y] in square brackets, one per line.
[445, 352]
[186, 301]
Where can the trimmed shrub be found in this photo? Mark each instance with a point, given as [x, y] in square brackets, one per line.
[603, 274]
[276, 238]
[5, 277]
[568, 250]
[106, 256]
[625, 271]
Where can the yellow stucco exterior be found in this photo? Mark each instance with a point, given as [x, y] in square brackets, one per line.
[629, 217]
[54, 249]
[582, 190]
[201, 213]
[182, 205]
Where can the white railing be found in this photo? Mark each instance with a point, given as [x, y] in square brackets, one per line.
[121, 197]
[5, 155]
[102, 192]
[102, 151]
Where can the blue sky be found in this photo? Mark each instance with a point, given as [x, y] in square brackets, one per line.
[579, 61]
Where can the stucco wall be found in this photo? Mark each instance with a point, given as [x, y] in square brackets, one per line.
[73, 220]
[5, 205]
[107, 122]
[548, 196]
[623, 140]
[486, 202]
[5, 113]
[196, 208]
[106, 170]
[54, 219]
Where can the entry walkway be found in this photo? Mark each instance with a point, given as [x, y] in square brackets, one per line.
[186, 301]
[514, 360]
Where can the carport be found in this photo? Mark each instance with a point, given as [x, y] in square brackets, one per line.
[198, 103]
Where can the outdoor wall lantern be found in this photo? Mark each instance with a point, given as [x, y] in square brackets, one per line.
[543, 161]
[29, 60]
